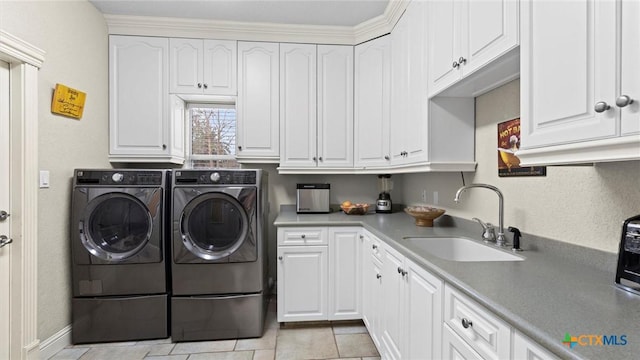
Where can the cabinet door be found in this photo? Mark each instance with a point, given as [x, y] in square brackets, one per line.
[371, 287]
[258, 129]
[138, 96]
[454, 348]
[372, 101]
[409, 112]
[302, 283]
[568, 51]
[444, 46]
[185, 66]
[525, 349]
[178, 115]
[489, 29]
[393, 286]
[219, 67]
[298, 105]
[399, 88]
[344, 273]
[423, 312]
[630, 57]
[335, 106]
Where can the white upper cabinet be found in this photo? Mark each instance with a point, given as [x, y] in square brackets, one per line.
[139, 113]
[298, 105]
[258, 111]
[335, 106]
[372, 103]
[574, 105]
[409, 100]
[466, 35]
[203, 66]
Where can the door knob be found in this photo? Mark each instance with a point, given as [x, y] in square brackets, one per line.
[4, 215]
[623, 100]
[601, 106]
[462, 61]
[5, 241]
[199, 85]
[455, 64]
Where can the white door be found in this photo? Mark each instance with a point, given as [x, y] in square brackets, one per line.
[630, 78]
[344, 273]
[5, 230]
[185, 64]
[393, 285]
[444, 46]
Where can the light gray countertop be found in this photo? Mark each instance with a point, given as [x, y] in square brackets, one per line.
[544, 297]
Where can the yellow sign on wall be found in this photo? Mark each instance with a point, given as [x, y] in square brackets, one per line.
[68, 102]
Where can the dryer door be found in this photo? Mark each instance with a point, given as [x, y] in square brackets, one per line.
[219, 227]
[117, 226]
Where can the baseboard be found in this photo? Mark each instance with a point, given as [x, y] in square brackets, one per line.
[55, 343]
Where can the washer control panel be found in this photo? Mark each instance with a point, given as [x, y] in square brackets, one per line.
[118, 177]
[216, 177]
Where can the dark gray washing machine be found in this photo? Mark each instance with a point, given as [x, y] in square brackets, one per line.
[218, 267]
[119, 267]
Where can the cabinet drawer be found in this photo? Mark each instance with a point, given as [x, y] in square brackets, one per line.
[482, 330]
[292, 236]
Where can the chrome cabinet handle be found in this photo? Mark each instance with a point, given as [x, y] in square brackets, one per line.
[378, 276]
[455, 64]
[205, 86]
[462, 61]
[239, 148]
[164, 146]
[279, 257]
[320, 158]
[400, 271]
[199, 85]
[4, 215]
[361, 236]
[374, 246]
[623, 100]
[386, 157]
[315, 158]
[4, 241]
[466, 323]
[304, 236]
[601, 106]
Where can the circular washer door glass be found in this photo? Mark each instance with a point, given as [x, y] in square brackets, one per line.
[214, 226]
[118, 226]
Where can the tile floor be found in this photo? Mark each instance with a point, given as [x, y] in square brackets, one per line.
[339, 340]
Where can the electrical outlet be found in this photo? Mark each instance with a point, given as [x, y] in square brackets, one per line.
[435, 198]
[424, 196]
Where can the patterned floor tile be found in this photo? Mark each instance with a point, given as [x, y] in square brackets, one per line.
[355, 345]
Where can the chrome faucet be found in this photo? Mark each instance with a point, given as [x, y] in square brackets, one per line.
[488, 232]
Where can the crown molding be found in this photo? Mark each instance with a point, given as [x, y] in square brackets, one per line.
[253, 31]
[14, 49]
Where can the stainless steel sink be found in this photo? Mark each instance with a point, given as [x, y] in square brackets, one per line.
[459, 249]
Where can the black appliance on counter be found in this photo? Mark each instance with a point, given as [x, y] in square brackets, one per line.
[628, 272]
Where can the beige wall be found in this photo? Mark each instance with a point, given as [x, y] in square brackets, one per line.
[582, 205]
[74, 36]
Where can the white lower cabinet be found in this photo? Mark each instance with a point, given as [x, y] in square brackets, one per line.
[454, 348]
[526, 349]
[318, 273]
[411, 309]
[371, 285]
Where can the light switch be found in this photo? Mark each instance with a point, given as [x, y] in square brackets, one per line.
[44, 179]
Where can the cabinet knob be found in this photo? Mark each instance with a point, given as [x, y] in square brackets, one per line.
[623, 100]
[199, 85]
[462, 61]
[304, 236]
[374, 247]
[164, 146]
[601, 106]
[399, 270]
[361, 236]
[320, 158]
[239, 147]
[205, 86]
[315, 158]
[455, 64]
[466, 323]
[378, 276]
[279, 257]
[386, 157]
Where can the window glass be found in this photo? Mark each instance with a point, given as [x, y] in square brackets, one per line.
[213, 136]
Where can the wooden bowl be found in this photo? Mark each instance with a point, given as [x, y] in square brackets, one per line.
[355, 209]
[424, 215]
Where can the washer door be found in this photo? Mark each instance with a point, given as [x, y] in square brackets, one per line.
[116, 227]
[214, 226]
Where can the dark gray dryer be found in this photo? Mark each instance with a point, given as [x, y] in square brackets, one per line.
[218, 255]
[118, 249]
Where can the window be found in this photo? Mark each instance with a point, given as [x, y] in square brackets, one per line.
[212, 135]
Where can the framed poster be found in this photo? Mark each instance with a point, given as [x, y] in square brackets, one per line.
[508, 145]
